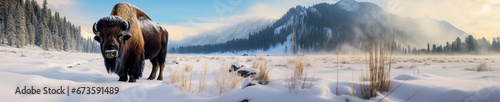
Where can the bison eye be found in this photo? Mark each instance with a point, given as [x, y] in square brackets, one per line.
[98, 39]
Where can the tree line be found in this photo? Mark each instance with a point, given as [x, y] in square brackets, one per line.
[469, 45]
[25, 23]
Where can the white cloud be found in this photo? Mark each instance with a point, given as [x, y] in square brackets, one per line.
[181, 31]
[268, 10]
[478, 17]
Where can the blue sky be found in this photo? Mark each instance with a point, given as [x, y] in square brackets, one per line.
[185, 18]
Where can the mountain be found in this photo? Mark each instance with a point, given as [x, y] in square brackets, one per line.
[321, 27]
[238, 30]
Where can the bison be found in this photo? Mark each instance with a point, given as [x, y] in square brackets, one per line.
[128, 37]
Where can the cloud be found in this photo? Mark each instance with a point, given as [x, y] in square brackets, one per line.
[180, 31]
[477, 17]
[261, 10]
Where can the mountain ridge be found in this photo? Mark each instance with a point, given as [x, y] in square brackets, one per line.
[323, 26]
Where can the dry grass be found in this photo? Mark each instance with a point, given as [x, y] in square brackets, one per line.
[364, 78]
[169, 69]
[263, 75]
[225, 80]
[414, 66]
[202, 83]
[481, 67]
[379, 71]
[400, 67]
[260, 57]
[188, 68]
[180, 80]
[174, 76]
[255, 64]
[299, 76]
[249, 60]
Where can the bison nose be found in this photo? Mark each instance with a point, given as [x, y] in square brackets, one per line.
[110, 53]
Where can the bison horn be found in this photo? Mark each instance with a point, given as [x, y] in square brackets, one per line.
[94, 29]
[127, 28]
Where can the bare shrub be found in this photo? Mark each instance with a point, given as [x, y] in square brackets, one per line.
[427, 63]
[400, 67]
[414, 66]
[481, 67]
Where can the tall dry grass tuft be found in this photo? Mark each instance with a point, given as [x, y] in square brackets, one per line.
[379, 70]
[260, 57]
[180, 80]
[202, 83]
[263, 75]
[225, 80]
[255, 64]
[299, 76]
[174, 76]
[188, 68]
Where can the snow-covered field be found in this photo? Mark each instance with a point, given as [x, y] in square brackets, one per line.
[413, 78]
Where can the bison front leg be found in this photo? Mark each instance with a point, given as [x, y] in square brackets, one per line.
[136, 65]
[123, 78]
[154, 69]
[122, 74]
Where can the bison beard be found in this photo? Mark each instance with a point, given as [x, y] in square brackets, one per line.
[127, 38]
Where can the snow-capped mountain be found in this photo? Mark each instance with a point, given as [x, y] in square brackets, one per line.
[349, 5]
[323, 26]
[236, 31]
[350, 23]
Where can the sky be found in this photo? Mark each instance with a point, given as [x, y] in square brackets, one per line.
[184, 18]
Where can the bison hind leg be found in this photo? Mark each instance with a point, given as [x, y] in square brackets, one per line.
[161, 61]
[152, 76]
[132, 79]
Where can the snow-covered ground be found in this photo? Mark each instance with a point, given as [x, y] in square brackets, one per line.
[413, 78]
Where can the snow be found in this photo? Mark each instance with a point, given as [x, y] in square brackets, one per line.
[314, 10]
[112, 18]
[429, 81]
[328, 31]
[240, 64]
[248, 69]
[284, 26]
[348, 5]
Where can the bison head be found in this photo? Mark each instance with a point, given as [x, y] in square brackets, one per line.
[112, 32]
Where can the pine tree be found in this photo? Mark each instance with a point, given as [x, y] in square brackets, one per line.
[30, 22]
[20, 26]
[4, 12]
[470, 43]
[11, 27]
